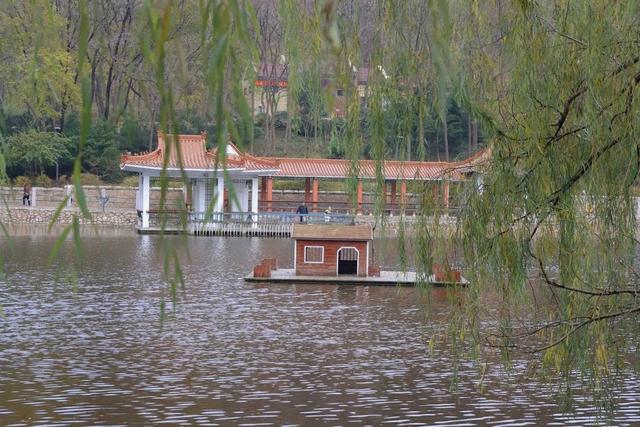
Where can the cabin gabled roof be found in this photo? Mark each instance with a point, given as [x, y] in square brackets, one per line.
[347, 233]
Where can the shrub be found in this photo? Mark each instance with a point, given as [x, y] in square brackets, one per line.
[42, 181]
[260, 119]
[130, 181]
[20, 181]
[281, 119]
[90, 179]
[288, 184]
[258, 132]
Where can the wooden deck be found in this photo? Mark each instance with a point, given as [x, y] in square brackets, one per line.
[387, 278]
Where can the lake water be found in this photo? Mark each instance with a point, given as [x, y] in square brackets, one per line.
[233, 353]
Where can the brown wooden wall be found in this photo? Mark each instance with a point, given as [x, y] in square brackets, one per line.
[329, 266]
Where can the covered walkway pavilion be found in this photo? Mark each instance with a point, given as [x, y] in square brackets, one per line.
[252, 177]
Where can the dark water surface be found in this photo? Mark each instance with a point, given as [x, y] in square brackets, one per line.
[233, 353]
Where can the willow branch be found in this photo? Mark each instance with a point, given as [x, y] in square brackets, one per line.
[585, 323]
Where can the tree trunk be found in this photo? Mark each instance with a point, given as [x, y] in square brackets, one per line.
[271, 120]
[421, 139]
[470, 134]
[446, 137]
[287, 135]
[316, 125]
[253, 114]
[475, 134]
[63, 112]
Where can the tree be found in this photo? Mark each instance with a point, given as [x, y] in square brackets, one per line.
[31, 152]
[132, 137]
[556, 200]
[35, 64]
[102, 155]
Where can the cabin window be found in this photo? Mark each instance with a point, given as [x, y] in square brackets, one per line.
[313, 254]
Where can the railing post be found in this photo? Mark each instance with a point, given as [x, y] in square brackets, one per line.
[145, 200]
[254, 199]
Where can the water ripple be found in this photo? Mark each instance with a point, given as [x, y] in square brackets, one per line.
[233, 353]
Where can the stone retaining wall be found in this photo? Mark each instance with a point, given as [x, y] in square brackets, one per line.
[119, 197]
[19, 215]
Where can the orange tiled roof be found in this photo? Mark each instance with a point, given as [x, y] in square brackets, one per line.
[391, 169]
[195, 156]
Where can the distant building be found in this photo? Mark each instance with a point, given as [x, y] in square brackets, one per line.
[272, 81]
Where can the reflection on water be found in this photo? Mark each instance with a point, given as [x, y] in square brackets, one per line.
[234, 353]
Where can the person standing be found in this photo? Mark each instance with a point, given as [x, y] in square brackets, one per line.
[26, 194]
[303, 211]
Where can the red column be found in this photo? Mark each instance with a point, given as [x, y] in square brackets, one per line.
[359, 194]
[314, 194]
[393, 194]
[435, 192]
[384, 192]
[263, 189]
[403, 192]
[307, 190]
[269, 193]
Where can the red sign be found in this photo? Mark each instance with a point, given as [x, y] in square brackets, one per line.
[271, 83]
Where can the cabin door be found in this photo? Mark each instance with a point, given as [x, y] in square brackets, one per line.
[348, 261]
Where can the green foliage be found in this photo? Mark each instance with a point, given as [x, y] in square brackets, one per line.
[102, 155]
[21, 181]
[30, 152]
[337, 142]
[42, 181]
[556, 198]
[130, 181]
[90, 179]
[190, 122]
[132, 136]
[38, 78]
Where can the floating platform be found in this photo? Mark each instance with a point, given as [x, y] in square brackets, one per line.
[386, 278]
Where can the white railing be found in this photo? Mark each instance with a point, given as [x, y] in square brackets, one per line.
[264, 224]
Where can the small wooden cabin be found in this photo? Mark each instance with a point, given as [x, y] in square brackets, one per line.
[332, 249]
